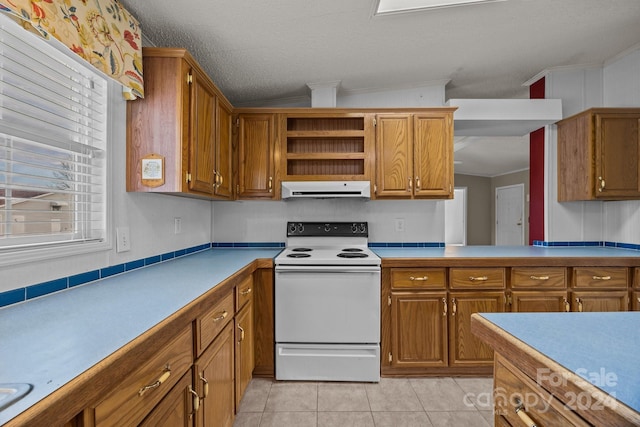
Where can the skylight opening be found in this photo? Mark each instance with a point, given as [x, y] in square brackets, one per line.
[386, 7]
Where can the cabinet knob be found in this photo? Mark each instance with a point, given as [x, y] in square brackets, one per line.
[526, 419]
[601, 277]
[157, 383]
[602, 184]
[417, 183]
[410, 184]
[270, 184]
[478, 278]
[454, 306]
[419, 279]
[579, 301]
[539, 277]
[444, 312]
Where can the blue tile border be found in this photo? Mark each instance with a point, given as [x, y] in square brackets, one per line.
[15, 296]
[248, 244]
[617, 245]
[406, 244]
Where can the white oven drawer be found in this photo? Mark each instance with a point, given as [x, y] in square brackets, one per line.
[323, 306]
[335, 362]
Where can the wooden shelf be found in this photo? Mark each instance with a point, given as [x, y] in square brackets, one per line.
[325, 134]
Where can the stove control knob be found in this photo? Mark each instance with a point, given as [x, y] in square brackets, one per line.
[363, 228]
[292, 228]
[354, 228]
[327, 228]
[300, 228]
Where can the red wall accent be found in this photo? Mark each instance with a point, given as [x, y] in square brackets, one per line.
[536, 172]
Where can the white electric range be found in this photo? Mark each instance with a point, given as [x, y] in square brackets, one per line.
[327, 304]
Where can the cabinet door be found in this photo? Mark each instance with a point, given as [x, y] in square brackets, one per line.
[215, 368]
[244, 350]
[394, 155]
[201, 134]
[635, 301]
[223, 172]
[419, 329]
[433, 155]
[175, 409]
[537, 301]
[600, 301]
[465, 348]
[617, 155]
[256, 138]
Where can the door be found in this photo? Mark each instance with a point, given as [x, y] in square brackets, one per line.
[510, 215]
[455, 218]
[394, 155]
[216, 367]
[244, 350]
[202, 135]
[600, 301]
[465, 348]
[433, 153]
[223, 173]
[419, 329]
[325, 305]
[256, 139]
[539, 301]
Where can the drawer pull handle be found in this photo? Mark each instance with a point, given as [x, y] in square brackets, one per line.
[524, 417]
[205, 386]
[241, 333]
[444, 301]
[567, 306]
[221, 316]
[245, 292]
[478, 279]
[196, 402]
[165, 375]
[454, 308]
[419, 279]
[539, 277]
[579, 301]
[601, 277]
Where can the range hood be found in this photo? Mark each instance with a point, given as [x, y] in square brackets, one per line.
[325, 189]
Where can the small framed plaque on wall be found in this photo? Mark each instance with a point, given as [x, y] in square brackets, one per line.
[153, 170]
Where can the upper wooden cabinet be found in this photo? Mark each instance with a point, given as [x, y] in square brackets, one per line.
[414, 154]
[185, 121]
[326, 144]
[599, 155]
[256, 156]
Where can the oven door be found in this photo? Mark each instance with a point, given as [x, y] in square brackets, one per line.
[327, 304]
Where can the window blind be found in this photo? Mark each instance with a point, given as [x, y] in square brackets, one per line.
[52, 144]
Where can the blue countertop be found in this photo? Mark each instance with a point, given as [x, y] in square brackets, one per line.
[507, 252]
[603, 348]
[49, 341]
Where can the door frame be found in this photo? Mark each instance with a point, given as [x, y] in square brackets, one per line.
[496, 211]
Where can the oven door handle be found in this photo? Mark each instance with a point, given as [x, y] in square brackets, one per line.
[327, 269]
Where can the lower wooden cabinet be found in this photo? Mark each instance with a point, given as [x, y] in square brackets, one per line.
[538, 301]
[635, 301]
[419, 330]
[520, 401]
[214, 379]
[176, 408]
[465, 348]
[600, 301]
[244, 361]
[144, 388]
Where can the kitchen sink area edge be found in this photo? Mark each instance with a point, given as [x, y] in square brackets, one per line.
[63, 342]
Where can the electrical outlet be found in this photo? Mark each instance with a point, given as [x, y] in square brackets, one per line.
[123, 240]
[400, 225]
[177, 225]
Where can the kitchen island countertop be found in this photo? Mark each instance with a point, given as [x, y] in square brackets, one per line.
[49, 341]
[600, 348]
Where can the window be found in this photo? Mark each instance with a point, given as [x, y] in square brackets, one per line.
[53, 121]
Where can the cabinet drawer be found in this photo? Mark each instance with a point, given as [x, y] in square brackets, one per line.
[209, 325]
[144, 388]
[539, 277]
[608, 277]
[423, 278]
[477, 278]
[514, 390]
[244, 292]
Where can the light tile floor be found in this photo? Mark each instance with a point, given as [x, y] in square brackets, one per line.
[393, 402]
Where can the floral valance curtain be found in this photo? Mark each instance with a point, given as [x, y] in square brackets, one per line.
[100, 31]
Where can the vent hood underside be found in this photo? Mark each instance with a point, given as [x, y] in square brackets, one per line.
[325, 189]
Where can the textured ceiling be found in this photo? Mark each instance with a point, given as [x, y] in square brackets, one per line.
[261, 50]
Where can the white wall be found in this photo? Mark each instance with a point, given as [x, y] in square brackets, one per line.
[616, 84]
[265, 221]
[148, 216]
